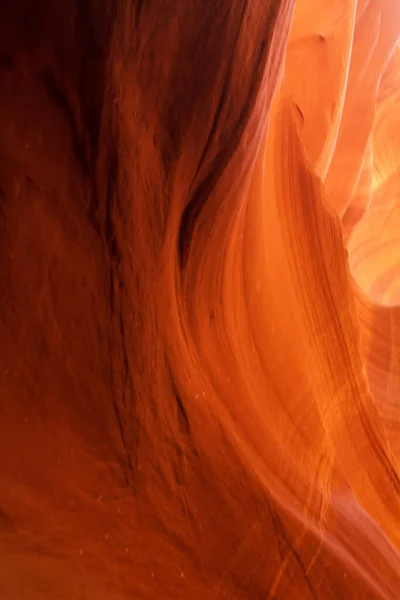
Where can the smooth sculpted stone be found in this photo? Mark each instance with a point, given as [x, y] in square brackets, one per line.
[199, 300]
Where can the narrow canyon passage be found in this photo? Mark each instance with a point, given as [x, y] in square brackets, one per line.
[199, 299]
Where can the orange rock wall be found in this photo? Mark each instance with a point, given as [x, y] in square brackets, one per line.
[199, 321]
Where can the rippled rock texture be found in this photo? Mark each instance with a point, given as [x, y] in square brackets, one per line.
[199, 299]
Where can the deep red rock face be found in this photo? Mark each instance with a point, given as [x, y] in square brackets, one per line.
[199, 300]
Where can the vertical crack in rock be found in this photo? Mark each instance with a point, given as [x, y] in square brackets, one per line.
[116, 284]
[224, 154]
[59, 96]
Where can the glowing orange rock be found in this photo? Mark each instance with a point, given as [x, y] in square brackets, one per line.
[199, 279]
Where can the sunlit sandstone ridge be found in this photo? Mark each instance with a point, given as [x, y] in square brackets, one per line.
[199, 307]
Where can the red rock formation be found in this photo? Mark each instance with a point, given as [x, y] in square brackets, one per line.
[199, 332]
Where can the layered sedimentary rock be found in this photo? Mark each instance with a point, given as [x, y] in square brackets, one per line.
[199, 320]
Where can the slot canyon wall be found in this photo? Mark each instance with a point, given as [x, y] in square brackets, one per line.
[199, 299]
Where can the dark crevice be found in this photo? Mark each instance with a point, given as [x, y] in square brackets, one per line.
[208, 184]
[93, 34]
[300, 113]
[183, 419]
[93, 31]
[138, 11]
[115, 285]
[181, 412]
[6, 61]
[205, 188]
[109, 229]
[58, 95]
[123, 339]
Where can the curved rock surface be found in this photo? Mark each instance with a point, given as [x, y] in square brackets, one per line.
[199, 300]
